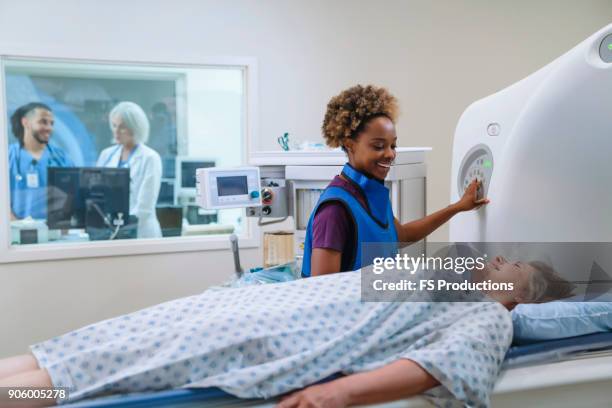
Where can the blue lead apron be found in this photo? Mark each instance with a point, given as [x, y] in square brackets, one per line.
[372, 224]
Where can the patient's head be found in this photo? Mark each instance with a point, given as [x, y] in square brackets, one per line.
[534, 282]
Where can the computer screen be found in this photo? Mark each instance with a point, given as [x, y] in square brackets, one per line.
[170, 220]
[188, 170]
[78, 197]
[166, 192]
[232, 185]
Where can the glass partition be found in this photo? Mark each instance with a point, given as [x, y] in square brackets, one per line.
[103, 151]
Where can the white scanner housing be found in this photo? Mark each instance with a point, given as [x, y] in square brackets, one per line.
[543, 148]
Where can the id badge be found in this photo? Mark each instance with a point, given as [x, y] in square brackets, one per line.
[32, 180]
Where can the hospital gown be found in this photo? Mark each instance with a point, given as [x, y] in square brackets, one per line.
[266, 340]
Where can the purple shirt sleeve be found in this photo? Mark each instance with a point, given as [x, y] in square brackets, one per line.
[330, 227]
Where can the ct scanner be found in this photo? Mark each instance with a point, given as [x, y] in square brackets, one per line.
[543, 149]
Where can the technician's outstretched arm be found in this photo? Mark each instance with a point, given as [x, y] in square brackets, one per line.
[417, 230]
[400, 379]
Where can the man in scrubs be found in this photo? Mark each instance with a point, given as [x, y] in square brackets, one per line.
[32, 125]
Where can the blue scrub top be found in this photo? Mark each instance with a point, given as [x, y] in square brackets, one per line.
[32, 201]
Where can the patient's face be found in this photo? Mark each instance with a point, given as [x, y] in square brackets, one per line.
[501, 270]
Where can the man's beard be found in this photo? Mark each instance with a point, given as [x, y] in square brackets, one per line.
[36, 135]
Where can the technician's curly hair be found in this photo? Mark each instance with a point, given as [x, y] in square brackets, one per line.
[349, 112]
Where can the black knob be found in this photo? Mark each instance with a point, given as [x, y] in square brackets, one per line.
[266, 210]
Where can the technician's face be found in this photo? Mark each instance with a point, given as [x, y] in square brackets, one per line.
[122, 134]
[373, 151]
[39, 124]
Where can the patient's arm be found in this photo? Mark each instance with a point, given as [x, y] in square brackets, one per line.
[18, 364]
[400, 379]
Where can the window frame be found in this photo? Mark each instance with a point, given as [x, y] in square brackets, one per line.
[249, 238]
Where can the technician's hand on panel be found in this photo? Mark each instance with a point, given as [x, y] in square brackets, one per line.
[355, 207]
[471, 199]
[130, 128]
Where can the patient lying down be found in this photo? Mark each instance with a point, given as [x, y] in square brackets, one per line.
[270, 340]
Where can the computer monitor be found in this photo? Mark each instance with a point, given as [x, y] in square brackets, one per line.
[170, 220]
[82, 197]
[186, 167]
[166, 192]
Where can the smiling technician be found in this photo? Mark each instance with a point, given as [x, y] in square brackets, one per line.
[32, 125]
[355, 207]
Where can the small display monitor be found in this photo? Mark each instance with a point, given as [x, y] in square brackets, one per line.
[232, 185]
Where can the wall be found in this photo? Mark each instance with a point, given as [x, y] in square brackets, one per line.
[437, 57]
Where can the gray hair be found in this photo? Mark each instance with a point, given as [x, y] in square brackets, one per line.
[134, 118]
[546, 284]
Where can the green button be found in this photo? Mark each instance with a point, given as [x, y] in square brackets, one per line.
[605, 49]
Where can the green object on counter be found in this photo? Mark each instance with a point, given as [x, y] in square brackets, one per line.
[283, 141]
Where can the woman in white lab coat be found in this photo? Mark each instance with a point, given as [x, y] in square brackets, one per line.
[130, 128]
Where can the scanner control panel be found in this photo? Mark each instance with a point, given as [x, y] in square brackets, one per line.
[477, 164]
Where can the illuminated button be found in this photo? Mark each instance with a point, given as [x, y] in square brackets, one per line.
[254, 194]
[605, 49]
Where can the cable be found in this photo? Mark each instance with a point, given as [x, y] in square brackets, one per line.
[106, 220]
[260, 223]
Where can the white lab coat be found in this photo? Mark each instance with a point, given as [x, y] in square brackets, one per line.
[145, 182]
